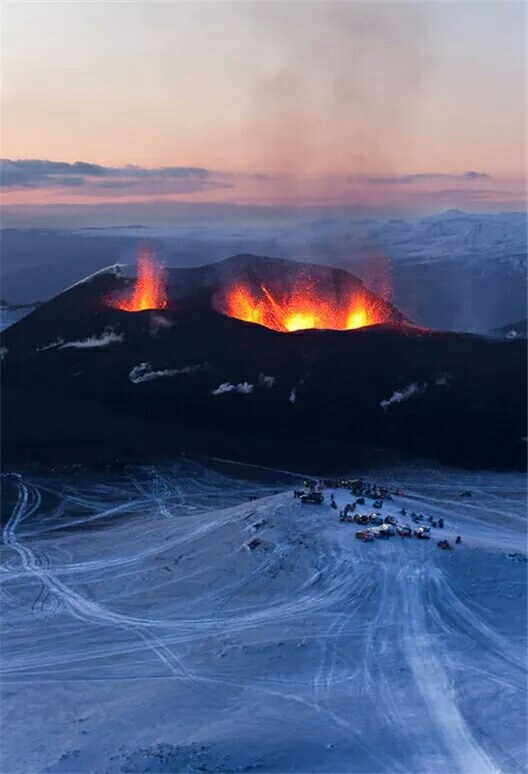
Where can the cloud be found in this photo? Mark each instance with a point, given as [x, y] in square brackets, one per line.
[422, 177]
[44, 174]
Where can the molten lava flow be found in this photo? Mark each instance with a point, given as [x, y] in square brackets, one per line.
[303, 308]
[149, 289]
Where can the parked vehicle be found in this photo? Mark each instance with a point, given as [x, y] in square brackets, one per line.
[357, 486]
[361, 518]
[313, 498]
[365, 535]
[404, 530]
[422, 533]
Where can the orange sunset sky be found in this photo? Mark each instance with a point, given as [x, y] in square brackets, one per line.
[420, 104]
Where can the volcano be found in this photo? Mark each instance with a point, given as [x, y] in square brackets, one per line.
[93, 374]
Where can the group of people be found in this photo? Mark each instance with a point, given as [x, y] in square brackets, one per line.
[364, 489]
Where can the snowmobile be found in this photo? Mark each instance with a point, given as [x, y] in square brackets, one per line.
[357, 486]
[403, 530]
[422, 533]
[360, 501]
[465, 493]
[443, 544]
[385, 531]
[365, 535]
[375, 518]
[390, 520]
[361, 518]
[377, 504]
[313, 498]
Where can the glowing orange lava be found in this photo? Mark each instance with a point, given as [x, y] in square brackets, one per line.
[304, 307]
[149, 289]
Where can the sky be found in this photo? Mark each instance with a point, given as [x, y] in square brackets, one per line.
[380, 107]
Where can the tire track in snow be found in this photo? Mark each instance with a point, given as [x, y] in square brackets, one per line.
[433, 683]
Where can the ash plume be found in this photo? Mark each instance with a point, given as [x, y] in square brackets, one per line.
[335, 87]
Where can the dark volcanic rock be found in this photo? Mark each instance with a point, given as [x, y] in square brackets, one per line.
[83, 381]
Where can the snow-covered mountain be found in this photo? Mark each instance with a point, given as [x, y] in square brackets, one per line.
[453, 234]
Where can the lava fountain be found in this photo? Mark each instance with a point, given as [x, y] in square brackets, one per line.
[305, 306]
[149, 289]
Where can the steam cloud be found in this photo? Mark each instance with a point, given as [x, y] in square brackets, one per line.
[107, 337]
[266, 381]
[244, 388]
[400, 395]
[413, 389]
[144, 372]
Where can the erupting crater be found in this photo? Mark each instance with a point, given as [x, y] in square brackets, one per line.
[149, 288]
[306, 305]
[284, 296]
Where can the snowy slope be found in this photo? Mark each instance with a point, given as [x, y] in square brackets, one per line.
[222, 626]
